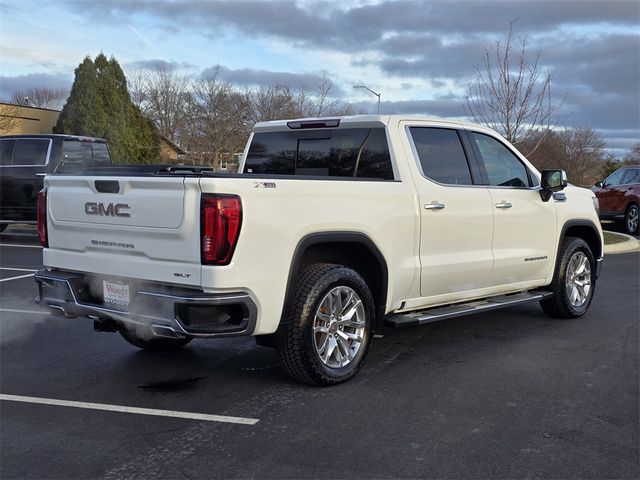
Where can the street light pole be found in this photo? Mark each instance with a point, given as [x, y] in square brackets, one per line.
[375, 93]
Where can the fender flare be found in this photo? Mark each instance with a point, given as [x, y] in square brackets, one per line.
[358, 238]
[590, 225]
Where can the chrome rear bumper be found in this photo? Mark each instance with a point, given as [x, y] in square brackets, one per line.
[168, 311]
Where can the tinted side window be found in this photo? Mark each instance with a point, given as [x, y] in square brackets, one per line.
[30, 152]
[503, 168]
[353, 152]
[632, 176]
[100, 153]
[441, 155]
[615, 178]
[6, 149]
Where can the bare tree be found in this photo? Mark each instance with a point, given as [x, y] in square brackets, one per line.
[211, 120]
[511, 95]
[633, 156]
[282, 102]
[215, 118]
[580, 151]
[585, 151]
[41, 97]
[272, 103]
[162, 94]
[165, 100]
[321, 101]
[137, 84]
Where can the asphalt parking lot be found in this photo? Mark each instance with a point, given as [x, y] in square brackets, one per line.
[509, 394]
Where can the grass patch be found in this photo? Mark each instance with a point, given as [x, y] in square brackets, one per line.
[612, 238]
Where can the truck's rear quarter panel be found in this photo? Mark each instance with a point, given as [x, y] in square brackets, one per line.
[277, 218]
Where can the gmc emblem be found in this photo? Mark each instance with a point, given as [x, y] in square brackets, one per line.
[111, 209]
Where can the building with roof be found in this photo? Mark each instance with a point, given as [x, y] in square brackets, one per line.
[22, 119]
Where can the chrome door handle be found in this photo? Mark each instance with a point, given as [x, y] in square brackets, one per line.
[434, 206]
[503, 204]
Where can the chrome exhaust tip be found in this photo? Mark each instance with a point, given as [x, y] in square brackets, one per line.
[164, 331]
[59, 311]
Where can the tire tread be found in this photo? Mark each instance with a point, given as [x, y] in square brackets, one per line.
[293, 351]
[557, 306]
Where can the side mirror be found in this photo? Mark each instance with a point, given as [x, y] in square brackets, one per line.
[552, 181]
[599, 185]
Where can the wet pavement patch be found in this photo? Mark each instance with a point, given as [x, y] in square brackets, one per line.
[175, 385]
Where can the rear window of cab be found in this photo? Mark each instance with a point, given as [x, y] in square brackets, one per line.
[361, 153]
[76, 152]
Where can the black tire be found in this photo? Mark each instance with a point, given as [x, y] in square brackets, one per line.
[561, 305]
[3, 227]
[146, 341]
[632, 219]
[298, 347]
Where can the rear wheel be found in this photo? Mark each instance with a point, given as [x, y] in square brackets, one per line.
[143, 338]
[328, 326]
[573, 281]
[631, 220]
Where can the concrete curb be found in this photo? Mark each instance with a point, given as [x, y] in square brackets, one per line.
[629, 245]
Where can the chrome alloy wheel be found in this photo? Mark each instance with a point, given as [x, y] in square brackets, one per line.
[339, 327]
[632, 219]
[578, 279]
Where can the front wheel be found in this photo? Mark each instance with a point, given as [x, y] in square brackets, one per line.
[573, 281]
[631, 221]
[143, 338]
[328, 326]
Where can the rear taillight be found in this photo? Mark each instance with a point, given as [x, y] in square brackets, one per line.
[220, 220]
[42, 218]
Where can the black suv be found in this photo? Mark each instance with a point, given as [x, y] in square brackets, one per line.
[25, 159]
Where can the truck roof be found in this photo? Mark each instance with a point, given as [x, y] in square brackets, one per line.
[63, 136]
[358, 121]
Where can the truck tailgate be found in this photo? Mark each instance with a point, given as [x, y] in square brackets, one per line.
[125, 227]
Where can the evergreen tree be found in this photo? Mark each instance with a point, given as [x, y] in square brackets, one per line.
[100, 106]
[83, 114]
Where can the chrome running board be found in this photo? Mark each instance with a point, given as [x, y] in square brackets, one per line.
[435, 314]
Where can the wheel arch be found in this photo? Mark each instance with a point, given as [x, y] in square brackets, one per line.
[352, 249]
[632, 201]
[587, 231]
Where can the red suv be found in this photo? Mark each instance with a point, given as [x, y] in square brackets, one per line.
[619, 196]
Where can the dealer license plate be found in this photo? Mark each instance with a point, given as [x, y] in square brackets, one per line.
[116, 295]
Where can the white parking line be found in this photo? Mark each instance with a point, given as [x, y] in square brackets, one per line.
[12, 269]
[16, 278]
[124, 409]
[20, 246]
[34, 312]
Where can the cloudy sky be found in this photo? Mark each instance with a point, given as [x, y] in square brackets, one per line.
[419, 54]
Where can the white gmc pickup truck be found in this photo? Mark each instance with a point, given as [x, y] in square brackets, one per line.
[332, 228]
